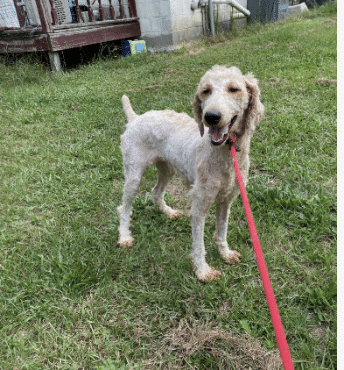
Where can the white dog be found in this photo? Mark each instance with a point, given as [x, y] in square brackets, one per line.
[226, 104]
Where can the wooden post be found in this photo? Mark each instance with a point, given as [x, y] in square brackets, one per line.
[53, 13]
[78, 12]
[20, 13]
[90, 11]
[46, 25]
[132, 8]
[101, 11]
[121, 10]
[55, 61]
[112, 11]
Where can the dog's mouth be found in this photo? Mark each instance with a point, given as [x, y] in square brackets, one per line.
[219, 135]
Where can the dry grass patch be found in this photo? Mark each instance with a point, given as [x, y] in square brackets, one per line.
[325, 81]
[228, 351]
[275, 81]
[178, 191]
[331, 22]
[148, 87]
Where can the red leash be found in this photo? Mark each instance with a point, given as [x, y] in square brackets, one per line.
[270, 297]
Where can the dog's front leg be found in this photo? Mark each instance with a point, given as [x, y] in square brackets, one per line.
[220, 237]
[203, 271]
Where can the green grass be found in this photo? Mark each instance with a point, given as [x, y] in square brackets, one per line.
[70, 299]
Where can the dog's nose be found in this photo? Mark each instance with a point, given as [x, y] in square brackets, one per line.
[212, 117]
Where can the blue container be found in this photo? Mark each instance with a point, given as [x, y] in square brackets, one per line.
[130, 47]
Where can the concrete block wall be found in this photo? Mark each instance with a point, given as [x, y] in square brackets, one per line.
[186, 23]
[155, 21]
[166, 23]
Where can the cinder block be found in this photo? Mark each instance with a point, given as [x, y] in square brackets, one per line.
[146, 25]
[165, 9]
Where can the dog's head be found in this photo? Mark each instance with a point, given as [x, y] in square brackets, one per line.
[227, 102]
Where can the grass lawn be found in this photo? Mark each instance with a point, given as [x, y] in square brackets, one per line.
[71, 299]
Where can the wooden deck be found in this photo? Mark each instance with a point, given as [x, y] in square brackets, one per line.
[53, 37]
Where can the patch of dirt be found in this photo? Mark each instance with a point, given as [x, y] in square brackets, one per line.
[74, 107]
[149, 87]
[331, 22]
[272, 183]
[170, 71]
[325, 81]
[227, 350]
[318, 333]
[265, 46]
[176, 189]
[275, 81]
[118, 183]
[197, 50]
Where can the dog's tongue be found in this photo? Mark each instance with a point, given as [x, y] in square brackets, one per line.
[217, 134]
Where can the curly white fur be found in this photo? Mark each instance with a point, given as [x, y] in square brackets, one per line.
[226, 103]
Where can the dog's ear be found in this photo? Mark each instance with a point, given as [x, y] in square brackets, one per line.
[255, 110]
[197, 111]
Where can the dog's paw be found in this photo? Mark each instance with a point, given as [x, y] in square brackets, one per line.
[230, 256]
[207, 273]
[174, 214]
[126, 242]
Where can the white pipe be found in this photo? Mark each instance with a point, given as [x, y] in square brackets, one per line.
[194, 5]
[237, 6]
[234, 4]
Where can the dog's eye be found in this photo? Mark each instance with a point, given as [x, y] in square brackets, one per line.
[206, 91]
[232, 89]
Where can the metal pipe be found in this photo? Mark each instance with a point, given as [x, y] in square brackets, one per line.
[232, 3]
[237, 6]
[211, 15]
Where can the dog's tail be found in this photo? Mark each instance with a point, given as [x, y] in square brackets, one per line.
[128, 110]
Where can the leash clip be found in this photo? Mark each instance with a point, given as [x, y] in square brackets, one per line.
[232, 143]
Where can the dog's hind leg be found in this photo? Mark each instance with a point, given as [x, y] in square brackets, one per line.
[165, 174]
[133, 175]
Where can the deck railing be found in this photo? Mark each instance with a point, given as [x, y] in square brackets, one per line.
[97, 11]
[53, 26]
[121, 13]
